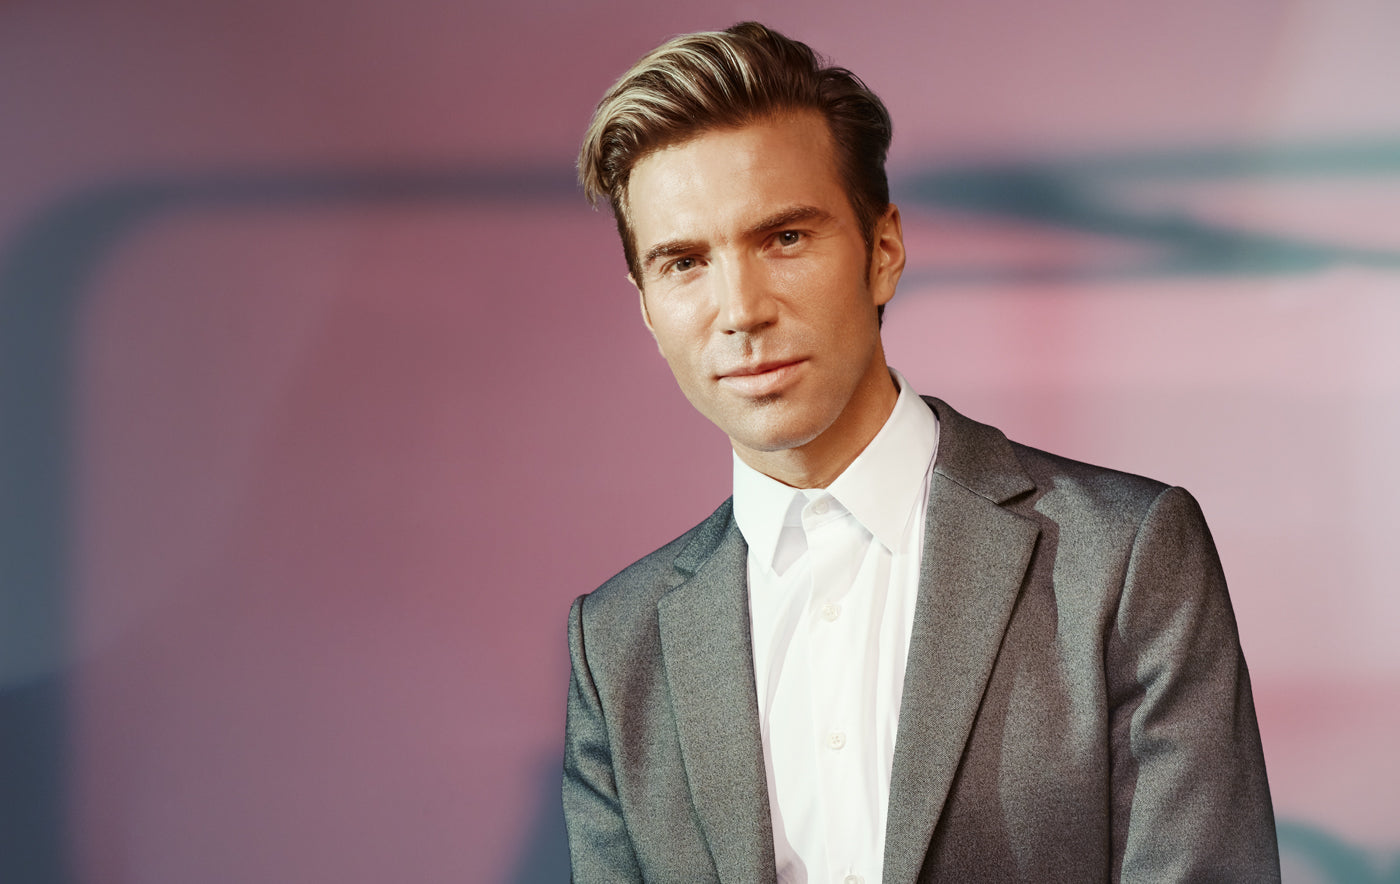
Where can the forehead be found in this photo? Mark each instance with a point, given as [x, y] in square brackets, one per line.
[724, 177]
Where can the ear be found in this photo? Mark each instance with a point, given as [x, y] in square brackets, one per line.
[642, 298]
[886, 256]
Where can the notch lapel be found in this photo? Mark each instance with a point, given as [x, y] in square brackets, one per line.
[707, 648]
[975, 558]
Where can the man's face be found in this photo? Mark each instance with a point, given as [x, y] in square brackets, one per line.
[759, 289]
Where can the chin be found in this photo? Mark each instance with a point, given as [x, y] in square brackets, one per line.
[776, 423]
[776, 438]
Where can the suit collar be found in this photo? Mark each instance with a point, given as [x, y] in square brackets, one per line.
[705, 539]
[706, 645]
[975, 558]
[977, 456]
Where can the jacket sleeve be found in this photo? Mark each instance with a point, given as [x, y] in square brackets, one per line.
[599, 846]
[1190, 799]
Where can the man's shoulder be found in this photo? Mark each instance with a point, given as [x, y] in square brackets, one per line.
[1096, 508]
[1086, 481]
[1032, 478]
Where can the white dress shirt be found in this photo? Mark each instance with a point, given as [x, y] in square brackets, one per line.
[833, 577]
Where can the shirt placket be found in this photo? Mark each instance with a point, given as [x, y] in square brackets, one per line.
[834, 629]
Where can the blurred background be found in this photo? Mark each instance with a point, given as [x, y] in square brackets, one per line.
[322, 392]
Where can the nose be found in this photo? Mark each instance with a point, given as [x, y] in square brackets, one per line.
[744, 296]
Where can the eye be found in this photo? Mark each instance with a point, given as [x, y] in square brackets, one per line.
[681, 265]
[789, 238]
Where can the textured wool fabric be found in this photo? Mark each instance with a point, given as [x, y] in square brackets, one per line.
[1076, 706]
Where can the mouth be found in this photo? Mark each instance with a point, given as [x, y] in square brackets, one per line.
[761, 379]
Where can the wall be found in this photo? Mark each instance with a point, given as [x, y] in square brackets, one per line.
[322, 392]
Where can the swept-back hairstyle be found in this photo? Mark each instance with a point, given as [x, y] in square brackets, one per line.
[725, 79]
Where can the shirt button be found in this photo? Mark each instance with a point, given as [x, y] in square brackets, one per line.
[820, 507]
[836, 740]
[830, 612]
[853, 879]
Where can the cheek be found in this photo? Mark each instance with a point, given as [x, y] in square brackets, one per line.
[678, 325]
[832, 285]
[797, 281]
[680, 350]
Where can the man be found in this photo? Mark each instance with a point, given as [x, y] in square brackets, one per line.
[906, 649]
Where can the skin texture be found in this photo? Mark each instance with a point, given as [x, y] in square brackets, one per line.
[761, 294]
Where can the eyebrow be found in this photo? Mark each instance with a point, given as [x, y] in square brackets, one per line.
[666, 250]
[784, 218]
[788, 217]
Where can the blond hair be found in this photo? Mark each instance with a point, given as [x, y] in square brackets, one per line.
[725, 79]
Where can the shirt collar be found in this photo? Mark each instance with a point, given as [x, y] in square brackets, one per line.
[882, 487]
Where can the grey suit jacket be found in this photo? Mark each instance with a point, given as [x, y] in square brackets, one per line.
[1076, 706]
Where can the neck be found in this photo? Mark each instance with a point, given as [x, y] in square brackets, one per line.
[817, 463]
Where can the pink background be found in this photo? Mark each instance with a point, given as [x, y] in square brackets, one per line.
[353, 398]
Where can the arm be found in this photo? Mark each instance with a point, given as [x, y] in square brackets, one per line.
[1190, 800]
[599, 846]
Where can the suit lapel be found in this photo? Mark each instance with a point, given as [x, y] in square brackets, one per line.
[706, 645]
[975, 558]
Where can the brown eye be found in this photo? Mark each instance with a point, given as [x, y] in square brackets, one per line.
[789, 237]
